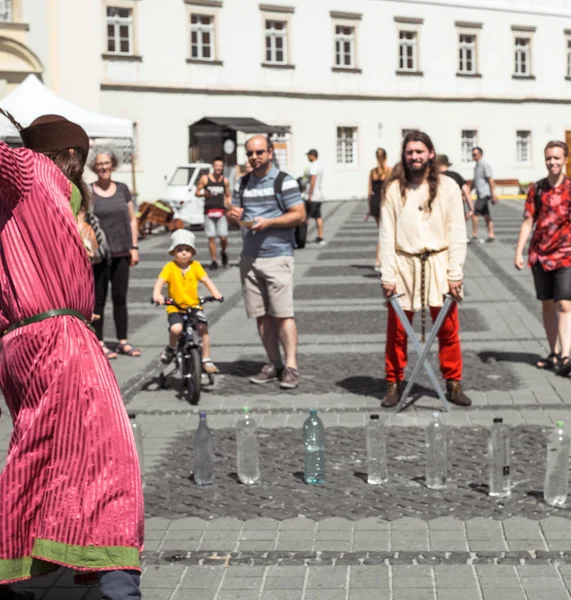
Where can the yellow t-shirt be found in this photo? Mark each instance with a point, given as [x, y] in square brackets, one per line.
[183, 289]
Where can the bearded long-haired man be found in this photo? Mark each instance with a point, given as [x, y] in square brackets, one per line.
[423, 249]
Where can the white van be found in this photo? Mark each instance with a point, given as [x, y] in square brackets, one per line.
[180, 193]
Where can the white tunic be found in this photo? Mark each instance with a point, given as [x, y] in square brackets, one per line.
[408, 230]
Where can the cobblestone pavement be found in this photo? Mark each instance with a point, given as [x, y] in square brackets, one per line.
[347, 540]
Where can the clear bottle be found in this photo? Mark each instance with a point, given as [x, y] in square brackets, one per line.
[376, 451]
[314, 441]
[436, 453]
[557, 471]
[247, 449]
[138, 435]
[203, 453]
[499, 457]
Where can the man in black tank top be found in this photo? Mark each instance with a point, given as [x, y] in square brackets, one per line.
[215, 190]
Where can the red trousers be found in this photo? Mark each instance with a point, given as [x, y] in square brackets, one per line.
[449, 354]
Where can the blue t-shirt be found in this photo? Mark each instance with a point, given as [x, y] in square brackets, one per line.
[259, 200]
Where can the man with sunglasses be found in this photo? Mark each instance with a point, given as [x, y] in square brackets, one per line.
[268, 206]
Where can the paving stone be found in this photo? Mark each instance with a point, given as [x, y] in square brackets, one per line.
[326, 577]
[282, 595]
[284, 583]
[242, 583]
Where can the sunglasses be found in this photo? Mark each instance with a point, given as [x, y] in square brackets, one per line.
[251, 153]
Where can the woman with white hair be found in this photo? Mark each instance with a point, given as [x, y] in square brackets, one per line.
[113, 206]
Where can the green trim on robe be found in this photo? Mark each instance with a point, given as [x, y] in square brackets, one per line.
[75, 200]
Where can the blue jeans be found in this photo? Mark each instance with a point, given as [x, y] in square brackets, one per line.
[120, 585]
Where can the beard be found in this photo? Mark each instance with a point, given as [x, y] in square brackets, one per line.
[415, 170]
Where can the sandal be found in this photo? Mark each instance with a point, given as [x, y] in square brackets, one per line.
[110, 354]
[209, 367]
[564, 368]
[128, 350]
[549, 363]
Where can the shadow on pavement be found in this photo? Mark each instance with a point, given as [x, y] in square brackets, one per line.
[489, 357]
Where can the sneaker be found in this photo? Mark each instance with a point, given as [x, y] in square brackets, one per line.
[167, 355]
[213, 266]
[320, 241]
[209, 367]
[268, 374]
[490, 240]
[224, 259]
[290, 379]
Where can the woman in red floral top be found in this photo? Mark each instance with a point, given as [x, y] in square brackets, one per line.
[548, 207]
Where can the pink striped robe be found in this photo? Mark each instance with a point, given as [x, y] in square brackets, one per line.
[70, 493]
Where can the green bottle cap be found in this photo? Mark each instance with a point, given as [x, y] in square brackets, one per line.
[245, 409]
[313, 412]
[560, 424]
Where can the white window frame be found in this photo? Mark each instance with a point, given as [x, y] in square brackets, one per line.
[522, 51]
[7, 11]
[467, 144]
[345, 145]
[117, 23]
[464, 49]
[568, 53]
[405, 44]
[283, 155]
[523, 147]
[200, 29]
[271, 35]
[340, 39]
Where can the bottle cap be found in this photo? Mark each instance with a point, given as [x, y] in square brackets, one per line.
[132, 415]
[313, 412]
[498, 420]
[374, 417]
[560, 424]
[202, 414]
[436, 415]
[245, 409]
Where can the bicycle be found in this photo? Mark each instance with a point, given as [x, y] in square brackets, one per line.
[188, 355]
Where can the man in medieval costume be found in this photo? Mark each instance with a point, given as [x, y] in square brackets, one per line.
[70, 493]
[423, 249]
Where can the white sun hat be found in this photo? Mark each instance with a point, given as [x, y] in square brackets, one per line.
[182, 237]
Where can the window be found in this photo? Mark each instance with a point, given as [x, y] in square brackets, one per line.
[467, 54]
[408, 48]
[344, 46]
[202, 37]
[523, 146]
[276, 42]
[469, 142]
[347, 145]
[281, 150]
[6, 10]
[569, 57]
[522, 56]
[119, 30]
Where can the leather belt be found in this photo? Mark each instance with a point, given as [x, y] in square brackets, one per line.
[56, 312]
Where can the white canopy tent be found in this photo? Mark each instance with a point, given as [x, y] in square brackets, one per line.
[32, 99]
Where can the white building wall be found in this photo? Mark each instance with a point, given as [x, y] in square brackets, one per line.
[164, 94]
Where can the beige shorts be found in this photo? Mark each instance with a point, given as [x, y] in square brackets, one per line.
[267, 286]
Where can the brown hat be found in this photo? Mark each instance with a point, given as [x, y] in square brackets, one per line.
[52, 132]
[443, 160]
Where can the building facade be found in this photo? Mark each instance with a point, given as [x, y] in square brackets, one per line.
[344, 78]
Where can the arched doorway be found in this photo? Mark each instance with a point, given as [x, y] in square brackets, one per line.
[17, 61]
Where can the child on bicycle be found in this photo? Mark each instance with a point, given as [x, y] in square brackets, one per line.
[183, 274]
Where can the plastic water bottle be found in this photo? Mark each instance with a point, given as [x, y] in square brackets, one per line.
[247, 449]
[436, 453]
[376, 451]
[138, 435]
[499, 460]
[557, 472]
[203, 453]
[314, 441]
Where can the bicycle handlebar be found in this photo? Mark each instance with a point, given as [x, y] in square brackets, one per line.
[201, 300]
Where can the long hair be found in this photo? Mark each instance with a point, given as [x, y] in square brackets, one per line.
[72, 164]
[382, 166]
[402, 174]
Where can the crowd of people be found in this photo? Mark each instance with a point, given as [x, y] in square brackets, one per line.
[70, 493]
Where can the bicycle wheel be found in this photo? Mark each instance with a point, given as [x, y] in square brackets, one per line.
[192, 372]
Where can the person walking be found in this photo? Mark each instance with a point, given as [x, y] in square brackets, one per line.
[113, 206]
[70, 492]
[485, 188]
[377, 178]
[314, 193]
[269, 206]
[546, 213]
[444, 167]
[423, 249]
[215, 190]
